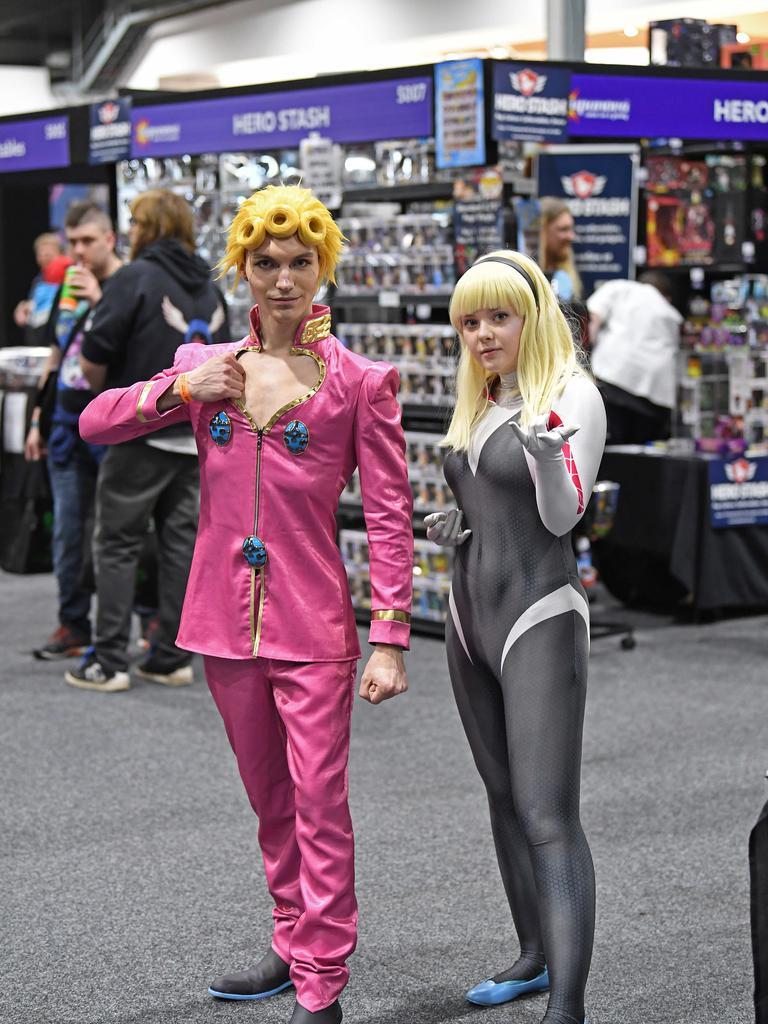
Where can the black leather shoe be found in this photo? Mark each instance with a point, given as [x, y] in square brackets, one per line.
[267, 978]
[330, 1015]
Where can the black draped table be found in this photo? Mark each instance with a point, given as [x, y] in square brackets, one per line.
[663, 550]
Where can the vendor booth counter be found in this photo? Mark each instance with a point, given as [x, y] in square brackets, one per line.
[664, 550]
[26, 516]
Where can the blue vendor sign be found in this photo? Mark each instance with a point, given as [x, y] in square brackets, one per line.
[109, 138]
[29, 145]
[598, 184]
[530, 102]
[738, 491]
[363, 112]
[459, 114]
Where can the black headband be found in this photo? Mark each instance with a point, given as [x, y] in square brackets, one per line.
[515, 266]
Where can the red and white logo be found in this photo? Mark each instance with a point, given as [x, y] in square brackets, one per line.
[740, 471]
[108, 112]
[583, 184]
[528, 82]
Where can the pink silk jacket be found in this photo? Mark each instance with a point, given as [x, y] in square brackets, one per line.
[267, 578]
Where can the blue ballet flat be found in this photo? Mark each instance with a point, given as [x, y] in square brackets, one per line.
[492, 993]
[248, 995]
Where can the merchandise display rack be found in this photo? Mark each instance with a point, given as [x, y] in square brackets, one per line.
[399, 266]
[704, 207]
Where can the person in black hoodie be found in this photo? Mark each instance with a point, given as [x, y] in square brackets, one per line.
[162, 299]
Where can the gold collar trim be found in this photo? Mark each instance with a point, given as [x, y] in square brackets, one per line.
[312, 329]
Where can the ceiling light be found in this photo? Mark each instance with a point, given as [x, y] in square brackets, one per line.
[743, 37]
[631, 31]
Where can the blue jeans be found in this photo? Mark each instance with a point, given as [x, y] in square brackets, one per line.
[73, 485]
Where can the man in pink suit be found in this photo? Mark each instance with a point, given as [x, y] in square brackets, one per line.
[281, 420]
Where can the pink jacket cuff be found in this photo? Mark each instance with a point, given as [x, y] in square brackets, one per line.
[150, 395]
[389, 630]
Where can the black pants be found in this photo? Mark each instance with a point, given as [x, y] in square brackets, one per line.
[136, 483]
[631, 419]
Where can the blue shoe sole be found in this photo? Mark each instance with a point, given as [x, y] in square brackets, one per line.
[490, 993]
[257, 995]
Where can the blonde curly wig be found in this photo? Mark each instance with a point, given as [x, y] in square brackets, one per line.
[282, 211]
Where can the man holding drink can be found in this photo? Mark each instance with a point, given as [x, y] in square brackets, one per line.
[63, 394]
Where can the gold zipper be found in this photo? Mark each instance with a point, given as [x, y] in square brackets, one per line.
[256, 617]
[256, 625]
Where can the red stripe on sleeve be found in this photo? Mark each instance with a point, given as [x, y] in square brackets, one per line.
[555, 421]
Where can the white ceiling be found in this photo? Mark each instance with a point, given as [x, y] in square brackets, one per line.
[277, 40]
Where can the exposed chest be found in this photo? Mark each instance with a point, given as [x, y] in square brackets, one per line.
[272, 382]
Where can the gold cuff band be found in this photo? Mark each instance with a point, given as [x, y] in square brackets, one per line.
[142, 399]
[391, 616]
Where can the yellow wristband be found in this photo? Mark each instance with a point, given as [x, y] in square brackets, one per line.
[184, 392]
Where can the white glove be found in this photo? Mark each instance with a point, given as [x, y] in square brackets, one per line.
[544, 445]
[444, 528]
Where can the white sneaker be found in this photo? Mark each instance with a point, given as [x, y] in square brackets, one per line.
[181, 676]
[90, 675]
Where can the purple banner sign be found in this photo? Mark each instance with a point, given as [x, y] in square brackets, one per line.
[622, 106]
[399, 108]
[28, 145]
[541, 101]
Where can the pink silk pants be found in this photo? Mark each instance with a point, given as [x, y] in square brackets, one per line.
[288, 723]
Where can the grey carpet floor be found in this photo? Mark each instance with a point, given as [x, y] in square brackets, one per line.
[129, 874]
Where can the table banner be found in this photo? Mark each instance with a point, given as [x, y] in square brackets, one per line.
[738, 491]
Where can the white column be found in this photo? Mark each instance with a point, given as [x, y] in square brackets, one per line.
[566, 21]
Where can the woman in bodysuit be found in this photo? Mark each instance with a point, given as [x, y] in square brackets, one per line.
[525, 444]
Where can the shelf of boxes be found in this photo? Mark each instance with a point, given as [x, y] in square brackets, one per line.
[410, 345]
[397, 256]
[424, 355]
[430, 493]
[723, 367]
[432, 570]
[425, 474]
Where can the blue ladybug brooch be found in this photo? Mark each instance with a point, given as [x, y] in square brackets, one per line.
[255, 551]
[221, 429]
[296, 437]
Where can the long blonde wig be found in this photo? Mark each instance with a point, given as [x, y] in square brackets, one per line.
[281, 211]
[547, 357]
[553, 207]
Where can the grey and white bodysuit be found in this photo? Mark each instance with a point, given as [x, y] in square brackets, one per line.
[517, 641]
